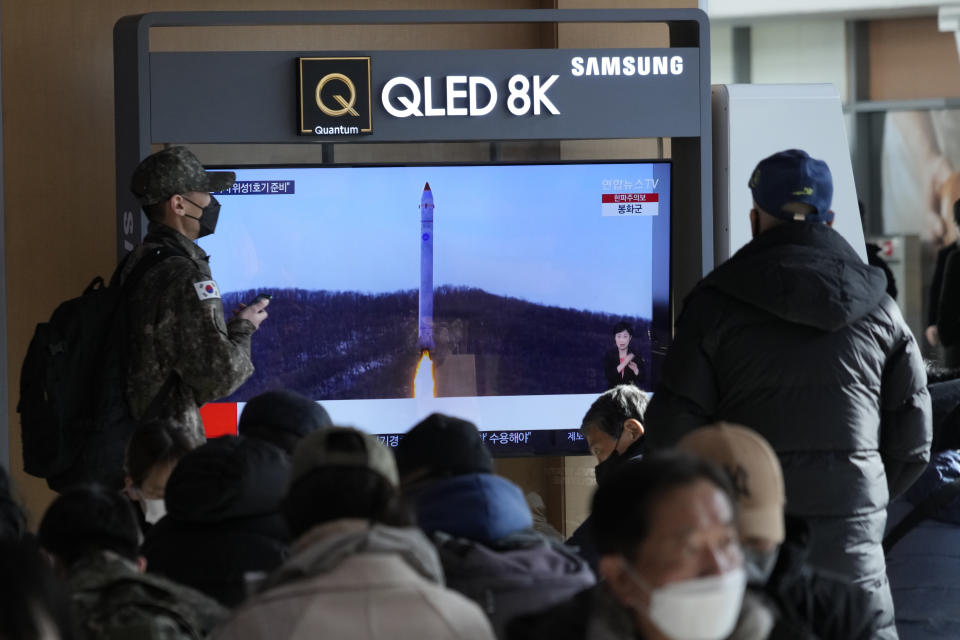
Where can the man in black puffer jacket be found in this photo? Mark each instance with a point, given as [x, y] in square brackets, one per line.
[795, 337]
[223, 529]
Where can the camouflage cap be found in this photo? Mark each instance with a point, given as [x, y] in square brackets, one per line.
[172, 171]
[315, 452]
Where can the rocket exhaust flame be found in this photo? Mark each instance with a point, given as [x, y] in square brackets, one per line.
[424, 381]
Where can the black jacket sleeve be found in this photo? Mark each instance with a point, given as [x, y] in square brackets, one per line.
[582, 541]
[610, 363]
[687, 396]
[948, 316]
[906, 425]
[936, 285]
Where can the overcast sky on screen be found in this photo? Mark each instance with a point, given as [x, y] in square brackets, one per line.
[531, 232]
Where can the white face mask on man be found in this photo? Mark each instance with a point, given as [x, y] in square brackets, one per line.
[699, 609]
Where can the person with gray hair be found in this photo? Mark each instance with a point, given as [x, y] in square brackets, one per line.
[614, 431]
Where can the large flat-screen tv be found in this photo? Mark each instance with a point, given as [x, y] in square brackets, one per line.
[504, 282]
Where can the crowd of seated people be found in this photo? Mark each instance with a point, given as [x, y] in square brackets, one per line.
[326, 532]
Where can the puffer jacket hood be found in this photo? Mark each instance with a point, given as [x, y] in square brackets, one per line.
[227, 478]
[324, 547]
[351, 578]
[223, 518]
[816, 278]
[477, 506]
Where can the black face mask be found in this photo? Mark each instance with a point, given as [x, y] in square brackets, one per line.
[208, 218]
[603, 470]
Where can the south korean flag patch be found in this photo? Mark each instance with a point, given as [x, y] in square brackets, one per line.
[207, 290]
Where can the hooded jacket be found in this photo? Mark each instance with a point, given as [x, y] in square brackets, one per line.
[923, 566]
[223, 524]
[353, 579]
[477, 506]
[482, 527]
[795, 337]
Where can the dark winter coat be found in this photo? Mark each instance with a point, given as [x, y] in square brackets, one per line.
[482, 528]
[948, 316]
[582, 539]
[814, 603]
[594, 614]
[924, 565]
[222, 525]
[874, 260]
[795, 337]
[936, 285]
[945, 400]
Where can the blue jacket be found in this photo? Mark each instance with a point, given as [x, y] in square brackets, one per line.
[482, 528]
[924, 565]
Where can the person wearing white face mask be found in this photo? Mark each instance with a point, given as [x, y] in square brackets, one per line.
[805, 602]
[151, 454]
[670, 560]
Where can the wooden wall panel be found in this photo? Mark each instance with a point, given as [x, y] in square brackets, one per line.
[910, 59]
[572, 36]
[349, 38]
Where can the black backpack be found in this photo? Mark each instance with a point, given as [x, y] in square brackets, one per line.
[74, 416]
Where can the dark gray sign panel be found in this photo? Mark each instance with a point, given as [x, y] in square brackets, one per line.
[423, 96]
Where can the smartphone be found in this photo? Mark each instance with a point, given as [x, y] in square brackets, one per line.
[262, 296]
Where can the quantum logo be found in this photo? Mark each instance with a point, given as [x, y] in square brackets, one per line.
[335, 96]
[347, 105]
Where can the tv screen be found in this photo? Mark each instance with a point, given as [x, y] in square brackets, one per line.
[489, 292]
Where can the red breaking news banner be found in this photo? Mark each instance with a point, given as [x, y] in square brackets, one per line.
[219, 419]
[614, 198]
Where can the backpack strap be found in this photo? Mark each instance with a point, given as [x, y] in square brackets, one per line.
[926, 509]
[147, 261]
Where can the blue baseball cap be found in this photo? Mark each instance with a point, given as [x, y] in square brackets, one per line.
[793, 176]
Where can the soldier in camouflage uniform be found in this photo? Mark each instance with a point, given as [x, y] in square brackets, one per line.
[181, 352]
[93, 537]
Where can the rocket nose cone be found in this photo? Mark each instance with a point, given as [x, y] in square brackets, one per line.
[426, 197]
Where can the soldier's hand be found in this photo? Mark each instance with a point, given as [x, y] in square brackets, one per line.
[255, 312]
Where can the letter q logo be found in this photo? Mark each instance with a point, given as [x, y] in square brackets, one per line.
[345, 104]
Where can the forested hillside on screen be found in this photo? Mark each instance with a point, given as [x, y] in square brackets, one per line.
[350, 345]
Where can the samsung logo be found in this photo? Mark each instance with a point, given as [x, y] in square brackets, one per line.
[626, 66]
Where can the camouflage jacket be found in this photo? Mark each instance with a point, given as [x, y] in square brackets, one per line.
[112, 600]
[179, 344]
